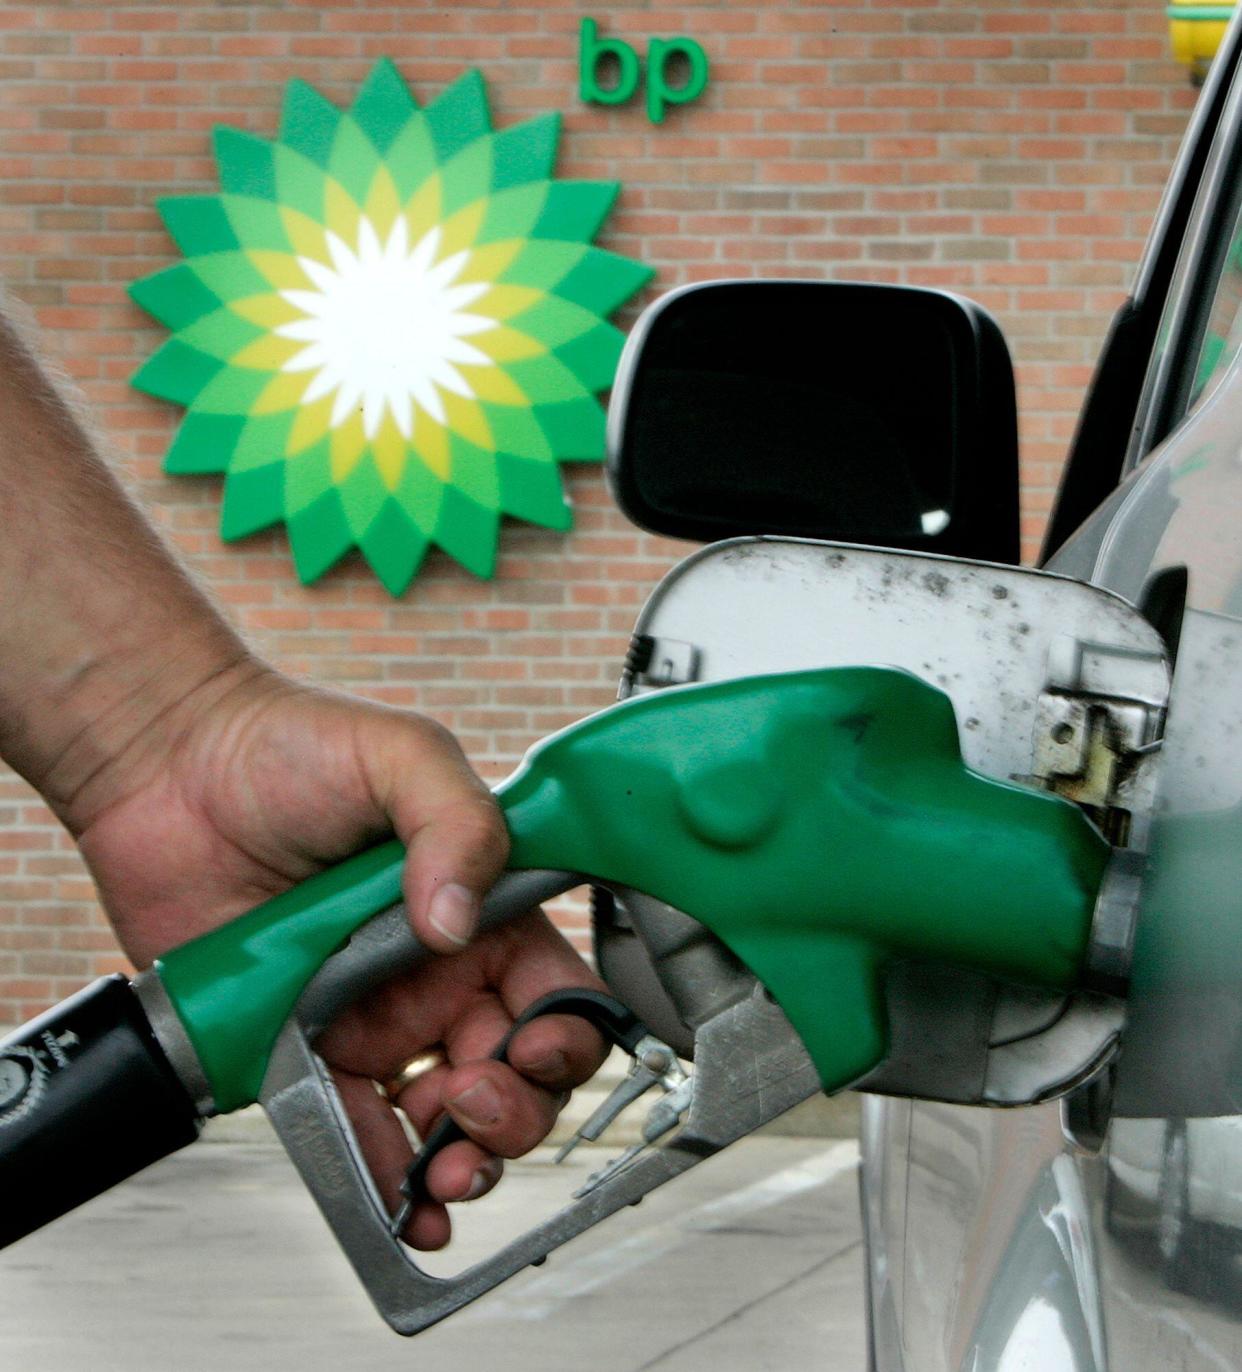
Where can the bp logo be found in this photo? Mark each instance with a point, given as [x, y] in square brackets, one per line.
[389, 328]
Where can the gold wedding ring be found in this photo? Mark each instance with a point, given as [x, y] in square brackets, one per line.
[417, 1066]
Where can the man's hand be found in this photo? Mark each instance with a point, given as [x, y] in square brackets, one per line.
[199, 783]
[252, 784]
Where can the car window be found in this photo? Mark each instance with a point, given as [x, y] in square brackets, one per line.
[1222, 336]
[1120, 415]
[1201, 329]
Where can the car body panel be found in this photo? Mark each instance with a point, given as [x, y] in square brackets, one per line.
[977, 1179]
[1018, 1243]
[975, 1248]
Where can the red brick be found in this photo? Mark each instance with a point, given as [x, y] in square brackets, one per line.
[1024, 20]
[1014, 152]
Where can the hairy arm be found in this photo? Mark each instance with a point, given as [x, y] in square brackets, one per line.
[101, 631]
[198, 782]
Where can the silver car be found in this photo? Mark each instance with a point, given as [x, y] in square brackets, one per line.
[1104, 1229]
[1097, 1223]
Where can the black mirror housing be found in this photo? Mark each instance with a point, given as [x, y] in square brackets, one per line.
[871, 414]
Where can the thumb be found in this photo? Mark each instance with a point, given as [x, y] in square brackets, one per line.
[455, 836]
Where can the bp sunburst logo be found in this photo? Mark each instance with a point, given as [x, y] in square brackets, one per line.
[390, 327]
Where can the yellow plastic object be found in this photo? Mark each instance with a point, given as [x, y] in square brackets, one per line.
[1196, 31]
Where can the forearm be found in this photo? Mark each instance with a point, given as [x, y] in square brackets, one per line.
[102, 634]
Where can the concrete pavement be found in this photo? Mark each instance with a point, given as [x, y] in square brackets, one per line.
[215, 1261]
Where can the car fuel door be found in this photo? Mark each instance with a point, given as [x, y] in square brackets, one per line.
[1055, 684]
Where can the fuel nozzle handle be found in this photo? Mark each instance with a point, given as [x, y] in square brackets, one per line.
[820, 823]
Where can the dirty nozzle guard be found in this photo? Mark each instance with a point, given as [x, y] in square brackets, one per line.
[750, 1068]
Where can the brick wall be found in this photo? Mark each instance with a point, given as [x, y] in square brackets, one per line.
[1011, 151]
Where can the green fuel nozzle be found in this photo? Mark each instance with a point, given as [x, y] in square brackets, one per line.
[820, 823]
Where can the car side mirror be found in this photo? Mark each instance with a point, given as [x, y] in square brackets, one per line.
[867, 414]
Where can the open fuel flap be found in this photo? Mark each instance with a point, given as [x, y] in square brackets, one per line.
[1055, 684]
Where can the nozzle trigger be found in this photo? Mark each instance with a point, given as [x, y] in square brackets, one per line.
[613, 1019]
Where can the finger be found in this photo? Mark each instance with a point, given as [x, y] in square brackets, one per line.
[377, 1035]
[526, 960]
[429, 1227]
[435, 1003]
[424, 1099]
[529, 957]
[478, 1031]
[387, 1154]
[385, 1148]
[452, 828]
[558, 1051]
[499, 1109]
[463, 1172]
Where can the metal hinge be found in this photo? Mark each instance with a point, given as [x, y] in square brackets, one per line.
[1098, 727]
[654, 661]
